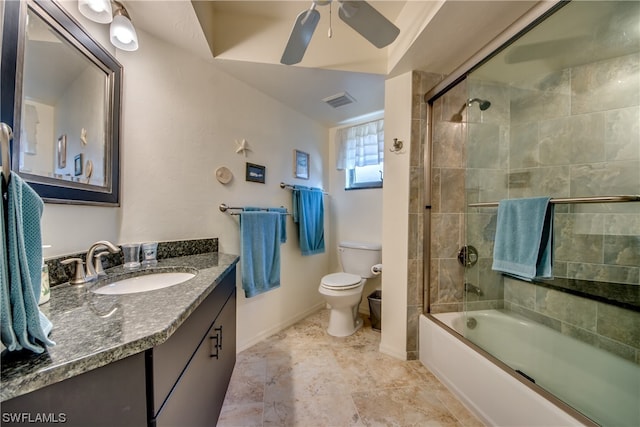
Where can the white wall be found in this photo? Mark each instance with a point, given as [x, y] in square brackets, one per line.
[181, 117]
[38, 130]
[397, 124]
[356, 215]
[84, 102]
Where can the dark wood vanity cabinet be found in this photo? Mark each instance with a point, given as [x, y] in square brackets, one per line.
[113, 395]
[192, 393]
[181, 382]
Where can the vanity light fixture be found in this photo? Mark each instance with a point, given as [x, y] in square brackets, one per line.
[121, 32]
[96, 10]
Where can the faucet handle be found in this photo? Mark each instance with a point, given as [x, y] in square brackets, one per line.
[98, 263]
[79, 276]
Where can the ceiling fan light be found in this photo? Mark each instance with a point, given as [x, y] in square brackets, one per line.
[122, 33]
[96, 10]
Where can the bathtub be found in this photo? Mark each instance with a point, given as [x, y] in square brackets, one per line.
[604, 386]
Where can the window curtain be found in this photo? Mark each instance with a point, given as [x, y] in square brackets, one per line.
[361, 145]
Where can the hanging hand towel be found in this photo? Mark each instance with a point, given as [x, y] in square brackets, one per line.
[283, 222]
[308, 213]
[7, 334]
[25, 208]
[260, 251]
[524, 238]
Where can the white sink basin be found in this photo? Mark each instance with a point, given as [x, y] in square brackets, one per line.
[148, 282]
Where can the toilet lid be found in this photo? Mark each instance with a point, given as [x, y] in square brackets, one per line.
[341, 281]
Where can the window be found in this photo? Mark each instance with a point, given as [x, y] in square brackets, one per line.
[364, 177]
[360, 152]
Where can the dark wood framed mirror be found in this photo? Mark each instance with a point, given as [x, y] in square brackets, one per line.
[61, 94]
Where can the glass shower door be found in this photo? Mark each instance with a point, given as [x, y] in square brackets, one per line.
[557, 114]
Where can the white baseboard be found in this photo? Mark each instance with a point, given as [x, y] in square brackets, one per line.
[277, 328]
[402, 355]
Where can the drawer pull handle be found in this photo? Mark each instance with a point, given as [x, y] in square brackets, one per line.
[216, 342]
[214, 346]
[219, 332]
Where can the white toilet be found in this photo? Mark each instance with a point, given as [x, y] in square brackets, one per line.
[343, 291]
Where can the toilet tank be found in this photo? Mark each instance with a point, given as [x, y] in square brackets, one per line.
[359, 257]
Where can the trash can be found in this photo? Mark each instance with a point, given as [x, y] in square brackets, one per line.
[375, 310]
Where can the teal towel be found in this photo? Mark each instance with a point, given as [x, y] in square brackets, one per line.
[295, 194]
[7, 334]
[24, 239]
[260, 251]
[283, 222]
[524, 238]
[308, 213]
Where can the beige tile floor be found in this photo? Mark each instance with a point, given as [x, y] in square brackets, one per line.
[304, 377]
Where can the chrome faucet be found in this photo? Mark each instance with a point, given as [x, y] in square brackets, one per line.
[93, 270]
[468, 287]
[94, 264]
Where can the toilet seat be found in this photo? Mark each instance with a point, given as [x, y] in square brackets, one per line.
[340, 281]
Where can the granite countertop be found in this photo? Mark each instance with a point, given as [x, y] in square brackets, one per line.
[92, 330]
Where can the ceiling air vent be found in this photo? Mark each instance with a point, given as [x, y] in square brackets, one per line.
[339, 99]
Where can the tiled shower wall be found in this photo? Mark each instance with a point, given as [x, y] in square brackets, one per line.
[421, 83]
[572, 133]
[450, 151]
[601, 325]
[446, 275]
[567, 134]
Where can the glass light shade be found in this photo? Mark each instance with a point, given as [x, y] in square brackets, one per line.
[122, 34]
[96, 10]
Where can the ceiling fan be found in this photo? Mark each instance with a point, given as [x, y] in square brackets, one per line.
[359, 15]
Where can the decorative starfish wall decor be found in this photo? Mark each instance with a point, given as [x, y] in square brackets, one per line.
[242, 147]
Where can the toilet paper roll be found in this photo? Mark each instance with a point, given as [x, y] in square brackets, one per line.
[376, 269]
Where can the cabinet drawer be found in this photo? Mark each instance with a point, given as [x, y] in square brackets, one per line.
[170, 358]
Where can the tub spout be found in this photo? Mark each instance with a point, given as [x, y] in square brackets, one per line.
[468, 287]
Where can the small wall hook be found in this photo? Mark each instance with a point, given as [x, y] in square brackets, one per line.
[397, 146]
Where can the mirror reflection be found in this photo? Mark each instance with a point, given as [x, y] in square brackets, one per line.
[62, 131]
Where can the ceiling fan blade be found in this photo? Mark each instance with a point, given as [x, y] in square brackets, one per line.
[367, 21]
[300, 36]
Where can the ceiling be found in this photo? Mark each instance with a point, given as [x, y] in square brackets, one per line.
[247, 38]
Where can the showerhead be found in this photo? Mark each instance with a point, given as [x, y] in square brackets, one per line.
[482, 103]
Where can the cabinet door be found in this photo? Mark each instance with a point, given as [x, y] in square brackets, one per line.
[225, 327]
[197, 398]
[113, 395]
[170, 358]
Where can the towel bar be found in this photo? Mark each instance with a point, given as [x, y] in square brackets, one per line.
[224, 208]
[572, 200]
[291, 187]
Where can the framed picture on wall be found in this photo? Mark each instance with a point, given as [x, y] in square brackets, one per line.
[61, 151]
[255, 173]
[77, 164]
[300, 164]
